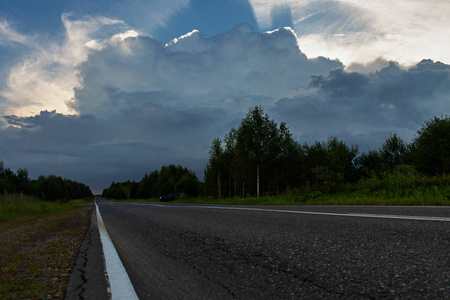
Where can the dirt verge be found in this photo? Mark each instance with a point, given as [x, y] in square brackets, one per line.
[37, 255]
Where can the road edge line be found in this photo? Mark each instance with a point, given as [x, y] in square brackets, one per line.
[117, 277]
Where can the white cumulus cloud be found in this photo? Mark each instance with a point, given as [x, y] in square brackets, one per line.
[46, 76]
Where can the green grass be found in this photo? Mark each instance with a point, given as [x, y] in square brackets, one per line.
[423, 193]
[413, 197]
[418, 196]
[19, 206]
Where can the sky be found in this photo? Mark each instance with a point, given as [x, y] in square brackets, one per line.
[102, 91]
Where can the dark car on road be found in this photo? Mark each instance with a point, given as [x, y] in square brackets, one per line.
[169, 197]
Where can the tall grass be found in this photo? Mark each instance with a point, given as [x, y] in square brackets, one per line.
[19, 206]
[428, 196]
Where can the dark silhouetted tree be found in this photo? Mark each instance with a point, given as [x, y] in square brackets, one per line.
[216, 163]
[393, 151]
[256, 139]
[430, 149]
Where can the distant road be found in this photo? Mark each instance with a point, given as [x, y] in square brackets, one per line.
[182, 251]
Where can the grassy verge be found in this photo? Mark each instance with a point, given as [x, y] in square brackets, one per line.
[419, 196]
[425, 196]
[19, 206]
[38, 247]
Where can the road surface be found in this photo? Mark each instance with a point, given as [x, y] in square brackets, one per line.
[182, 251]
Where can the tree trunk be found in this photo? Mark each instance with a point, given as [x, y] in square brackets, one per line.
[257, 180]
[229, 186]
[278, 176]
[219, 184]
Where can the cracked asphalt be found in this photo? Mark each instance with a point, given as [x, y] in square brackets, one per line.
[179, 251]
[87, 280]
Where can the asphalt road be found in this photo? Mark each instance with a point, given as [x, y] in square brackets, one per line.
[175, 251]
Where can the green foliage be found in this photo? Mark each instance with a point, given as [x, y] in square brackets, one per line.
[393, 152]
[432, 195]
[55, 188]
[261, 157]
[158, 183]
[188, 185]
[430, 150]
[370, 164]
[258, 158]
[391, 155]
[403, 180]
[216, 163]
[50, 188]
[257, 142]
[116, 191]
[11, 182]
[146, 187]
[331, 164]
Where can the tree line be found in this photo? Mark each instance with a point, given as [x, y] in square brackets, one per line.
[48, 188]
[260, 157]
[158, 183]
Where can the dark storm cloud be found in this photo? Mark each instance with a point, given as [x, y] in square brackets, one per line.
[339, 84]
[97, 151]
[364, 108]
[143, 104]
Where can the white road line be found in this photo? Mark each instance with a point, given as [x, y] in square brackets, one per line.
[361, 215]
[120, 284]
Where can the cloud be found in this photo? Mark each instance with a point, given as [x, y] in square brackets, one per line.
[47, 75]
[141, 103]
[362, 31]
[364, 108]
[341, 84]
[146, 104]
[10, 36]
[97, 151]
[209, 17]
[142, 15]
[199, 69]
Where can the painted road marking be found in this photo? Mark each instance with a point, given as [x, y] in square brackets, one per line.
[119, 282]
[361, 215]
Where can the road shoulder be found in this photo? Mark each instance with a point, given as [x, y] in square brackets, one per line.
[88, 280]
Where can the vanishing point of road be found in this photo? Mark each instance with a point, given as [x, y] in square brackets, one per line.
[184, 251]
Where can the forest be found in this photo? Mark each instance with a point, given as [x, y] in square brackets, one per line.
[158, 183]
[49, 188]
[261, 158]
